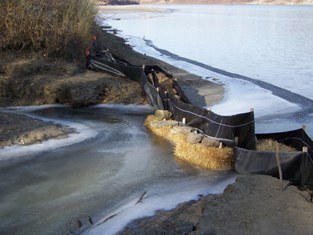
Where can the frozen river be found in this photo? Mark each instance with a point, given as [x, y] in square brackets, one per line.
[261, 54]
[100, 171]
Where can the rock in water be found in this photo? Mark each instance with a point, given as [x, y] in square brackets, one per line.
[194, 138]
[209, 142]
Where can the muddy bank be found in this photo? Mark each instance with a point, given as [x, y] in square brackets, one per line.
[29, 79]
[253, 205]
[23, 130]
[33, 79]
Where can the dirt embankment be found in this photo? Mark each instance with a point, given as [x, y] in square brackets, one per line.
[29, 79]
[23, 130]
[253, 205]
[33, 79]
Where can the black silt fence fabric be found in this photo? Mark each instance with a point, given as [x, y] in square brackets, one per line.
[295, 138]
[296, 166]
[214, 125]
[151, 92]
[101, 64]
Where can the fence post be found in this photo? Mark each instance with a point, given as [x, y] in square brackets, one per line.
[166, 100]
[236, 140]
[279, 167]
[184, 121]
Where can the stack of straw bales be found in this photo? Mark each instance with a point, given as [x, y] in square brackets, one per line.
[269, 145]
[213, 158]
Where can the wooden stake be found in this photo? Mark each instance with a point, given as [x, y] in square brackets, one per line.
[184, 121]
[236, 140]
[279, 167]
[221, 145]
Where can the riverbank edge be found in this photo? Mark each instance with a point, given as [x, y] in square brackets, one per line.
[249, 191]
[35, 84]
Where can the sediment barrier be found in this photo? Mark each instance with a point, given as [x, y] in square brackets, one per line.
[235, 130]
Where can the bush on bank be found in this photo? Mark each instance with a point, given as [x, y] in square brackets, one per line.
[59, 27]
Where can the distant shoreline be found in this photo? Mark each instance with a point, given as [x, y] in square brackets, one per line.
[205, 2]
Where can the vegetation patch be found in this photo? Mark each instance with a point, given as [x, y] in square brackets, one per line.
[60, 28]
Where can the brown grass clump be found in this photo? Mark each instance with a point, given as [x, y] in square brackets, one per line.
[197, 154]
[269, 145]
[61, 28]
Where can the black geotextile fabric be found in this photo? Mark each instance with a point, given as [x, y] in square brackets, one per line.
[297, 167]
[212, 124]
[117, 67]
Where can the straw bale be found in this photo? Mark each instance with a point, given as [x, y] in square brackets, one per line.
[162, 114]
[181, 130]
[269, 145]
[168, 86]
[160, 124]
[162, 77]
[207, 157]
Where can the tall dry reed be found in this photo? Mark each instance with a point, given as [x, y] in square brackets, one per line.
[60, 27]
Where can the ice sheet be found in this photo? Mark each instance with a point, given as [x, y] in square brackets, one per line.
[166, 200]
[82, 132]
[240, 95]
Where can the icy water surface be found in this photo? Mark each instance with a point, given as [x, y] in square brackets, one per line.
[262, 54]
[42, 190]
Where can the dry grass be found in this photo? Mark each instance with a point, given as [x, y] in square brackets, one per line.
[197, 154]
[269, 145]
[61, 28]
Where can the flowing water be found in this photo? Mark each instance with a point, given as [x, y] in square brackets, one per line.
[101, 170]
[262, 54]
